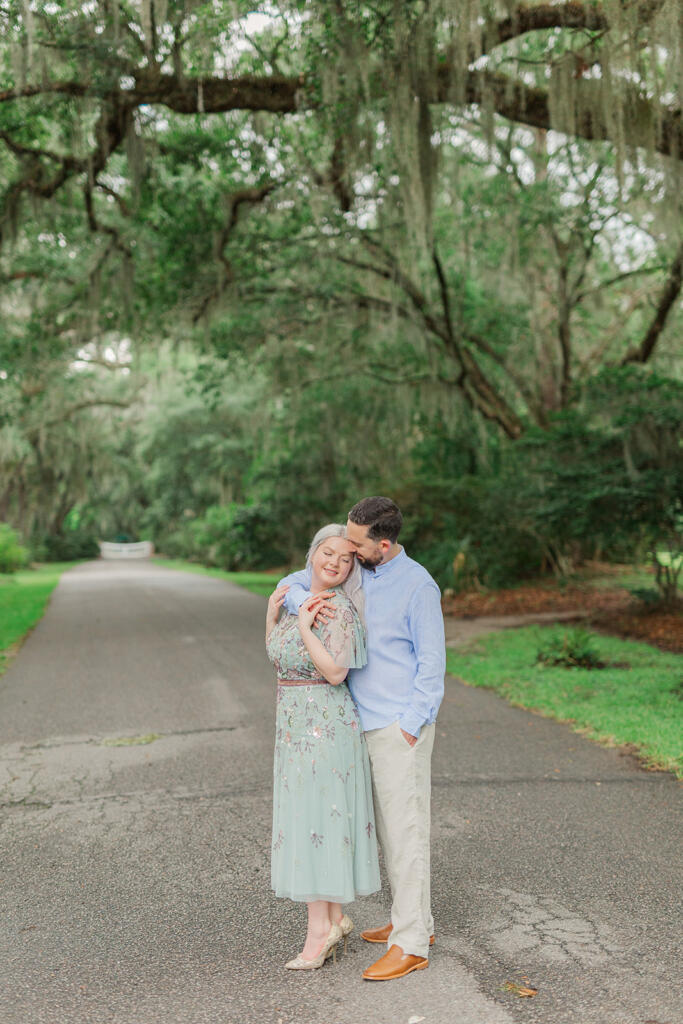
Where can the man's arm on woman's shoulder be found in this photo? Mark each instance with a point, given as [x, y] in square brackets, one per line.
[299, 589]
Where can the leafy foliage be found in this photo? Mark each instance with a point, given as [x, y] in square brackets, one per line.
[232, 538]
[243, 282]
[12, 555]
[68, 546]
[572, 649]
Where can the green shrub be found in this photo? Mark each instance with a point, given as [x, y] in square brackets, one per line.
[648, 596]
[231, 537]
[438, 559]
[574, 648]
[12, 555]
[468, 532]
[69, 546]
[603, 479]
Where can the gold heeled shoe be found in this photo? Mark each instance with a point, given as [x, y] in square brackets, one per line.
[346, 925]
[328, 950]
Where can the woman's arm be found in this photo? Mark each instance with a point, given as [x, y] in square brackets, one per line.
[321, 658]
[274, 605]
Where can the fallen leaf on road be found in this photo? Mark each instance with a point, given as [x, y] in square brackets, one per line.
[520, 990]
[415, 1020]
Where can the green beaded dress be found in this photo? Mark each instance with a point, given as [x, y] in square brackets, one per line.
[324, 845]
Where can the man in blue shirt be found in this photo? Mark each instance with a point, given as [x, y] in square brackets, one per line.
[398, 694]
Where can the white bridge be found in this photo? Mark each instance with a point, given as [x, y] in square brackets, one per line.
[142, 549]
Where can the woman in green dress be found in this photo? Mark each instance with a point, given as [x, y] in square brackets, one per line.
[324, 851]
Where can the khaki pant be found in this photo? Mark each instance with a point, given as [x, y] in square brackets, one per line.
[401, 784]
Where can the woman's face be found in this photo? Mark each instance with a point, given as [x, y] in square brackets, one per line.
[332, 561]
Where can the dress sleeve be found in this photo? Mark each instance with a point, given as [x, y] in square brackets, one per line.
[344, 637]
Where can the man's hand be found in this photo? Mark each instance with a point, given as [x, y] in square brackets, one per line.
[409, 738]
[325, 609]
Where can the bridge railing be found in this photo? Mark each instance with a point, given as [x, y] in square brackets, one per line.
[141, 549]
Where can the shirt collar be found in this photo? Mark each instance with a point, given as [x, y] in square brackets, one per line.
[386, 567]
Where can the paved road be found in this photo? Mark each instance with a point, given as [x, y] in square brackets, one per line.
[134, 875]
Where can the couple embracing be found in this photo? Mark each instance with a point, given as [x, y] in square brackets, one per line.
[360, 660]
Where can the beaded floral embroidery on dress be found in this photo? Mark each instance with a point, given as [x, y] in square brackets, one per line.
[324, 843]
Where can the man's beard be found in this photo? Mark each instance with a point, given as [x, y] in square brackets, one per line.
[369, 563]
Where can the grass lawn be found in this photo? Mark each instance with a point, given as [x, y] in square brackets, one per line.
[262, 583]
[641, 704]
[642, 577]
[23, 597]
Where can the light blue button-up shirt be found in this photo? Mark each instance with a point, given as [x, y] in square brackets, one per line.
[404, 678]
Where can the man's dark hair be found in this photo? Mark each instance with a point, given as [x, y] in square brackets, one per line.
[382, 516]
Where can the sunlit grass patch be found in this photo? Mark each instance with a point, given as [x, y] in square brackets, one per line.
[666, 558]
[262, 583]
[627, 579]
[23, 598]
[636, 699]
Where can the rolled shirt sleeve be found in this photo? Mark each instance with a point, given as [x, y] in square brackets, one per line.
[429, 642]
[299, 589]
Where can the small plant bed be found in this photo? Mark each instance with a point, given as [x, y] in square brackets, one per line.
[663, 629]
[537, 597]
[574, 648]
[617, 599]
[23, 598]
[634, 700]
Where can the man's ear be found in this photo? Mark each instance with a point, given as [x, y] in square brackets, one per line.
[385, 545]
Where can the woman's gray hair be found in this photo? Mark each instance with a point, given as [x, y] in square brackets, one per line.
[353, 584]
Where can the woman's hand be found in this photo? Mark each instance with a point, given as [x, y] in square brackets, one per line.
[275, 602]
[309, 609]
[309, 612]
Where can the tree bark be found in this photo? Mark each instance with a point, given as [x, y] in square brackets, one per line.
[278, 94]
[669, 296]
[577, 15]
[647, 124]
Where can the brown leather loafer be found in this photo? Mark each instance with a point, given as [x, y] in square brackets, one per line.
[382, 935]
[394, 964]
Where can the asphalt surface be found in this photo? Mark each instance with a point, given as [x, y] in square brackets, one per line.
[135, 798]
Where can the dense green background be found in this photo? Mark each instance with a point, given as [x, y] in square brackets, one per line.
[223, 324]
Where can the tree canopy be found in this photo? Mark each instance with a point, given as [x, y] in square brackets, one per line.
[424, 218]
